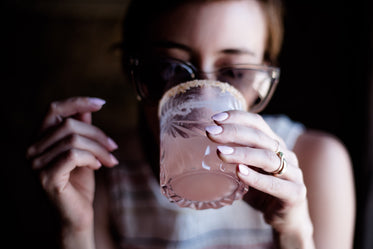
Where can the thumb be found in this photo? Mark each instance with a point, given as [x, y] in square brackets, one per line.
[85, 117]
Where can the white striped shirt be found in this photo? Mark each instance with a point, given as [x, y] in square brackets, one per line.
[143, 217]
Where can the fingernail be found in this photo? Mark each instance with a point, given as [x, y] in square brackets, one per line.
[113, 145]
[97, 101]
[113, 159]
[220, 116]
[214, 130]
[243, 169]
[99, 164]
[226, 150]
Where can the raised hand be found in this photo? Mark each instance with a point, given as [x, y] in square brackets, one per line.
[68, 151]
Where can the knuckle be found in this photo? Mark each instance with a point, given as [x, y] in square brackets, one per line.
[234, 131]
[53, 107]
[292, 157]
[276, 145]
[71, 155]
[49, 182]
[273, 160]
[245, 155]
[72, 100]
[257, 118]
[73, 140]
[85, 100]
[257, 180]
[299, 174]
[300, 193]
[258, 136]
[68, 124]
[44, 179]
[273, 186]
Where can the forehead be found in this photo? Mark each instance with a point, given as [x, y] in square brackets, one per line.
[214, 25]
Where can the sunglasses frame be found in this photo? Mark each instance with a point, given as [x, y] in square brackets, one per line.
[273, 73]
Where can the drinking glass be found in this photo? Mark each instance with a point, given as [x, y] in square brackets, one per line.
[191, 173]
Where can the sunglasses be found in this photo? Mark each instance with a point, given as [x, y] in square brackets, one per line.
[153, 78]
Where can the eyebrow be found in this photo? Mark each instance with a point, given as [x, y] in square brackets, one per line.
[232, 51]
[170, 44]
[237, 51]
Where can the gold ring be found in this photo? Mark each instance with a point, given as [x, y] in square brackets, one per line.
[283, 165]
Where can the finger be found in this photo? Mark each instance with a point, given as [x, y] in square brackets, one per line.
[290, 157]
[275, 186]
[266, 160]
[75, 142]
[85, 117]
[59, 110]
[241, 135]
[68, 127]
[57, 175]
[246, 119]
[259, 158]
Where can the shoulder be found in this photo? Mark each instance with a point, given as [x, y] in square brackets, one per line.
[328, 176]
[323, 158]
[319, 147]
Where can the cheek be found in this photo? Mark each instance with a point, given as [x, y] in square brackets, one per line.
[250, 95]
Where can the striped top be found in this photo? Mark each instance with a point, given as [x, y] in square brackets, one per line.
[143, 218]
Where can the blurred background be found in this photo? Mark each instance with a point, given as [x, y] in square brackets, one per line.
[56, 49]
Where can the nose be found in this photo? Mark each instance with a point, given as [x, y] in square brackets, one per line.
[206, 76]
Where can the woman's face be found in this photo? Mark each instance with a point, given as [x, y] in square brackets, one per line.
[211, 35]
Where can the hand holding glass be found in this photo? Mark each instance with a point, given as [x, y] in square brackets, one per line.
[191, 173]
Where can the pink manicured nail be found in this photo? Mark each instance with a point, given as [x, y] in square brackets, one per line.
[113, 145]
[243, 169]
[226, 150]
[220, 116]
[97, 101]
[113, 159]
[214, 130]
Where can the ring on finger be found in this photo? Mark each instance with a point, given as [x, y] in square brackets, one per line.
[283, 165]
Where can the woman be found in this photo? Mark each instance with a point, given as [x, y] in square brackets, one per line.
[308, 205]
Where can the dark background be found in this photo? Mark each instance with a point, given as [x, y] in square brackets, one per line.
[327, 82]
[56, 49]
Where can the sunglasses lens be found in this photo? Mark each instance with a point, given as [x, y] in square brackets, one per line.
[256, 85]
[154, 78]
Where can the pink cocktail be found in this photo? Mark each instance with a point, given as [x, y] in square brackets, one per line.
[191, 173]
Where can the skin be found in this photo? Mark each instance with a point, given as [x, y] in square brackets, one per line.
[311, 205]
